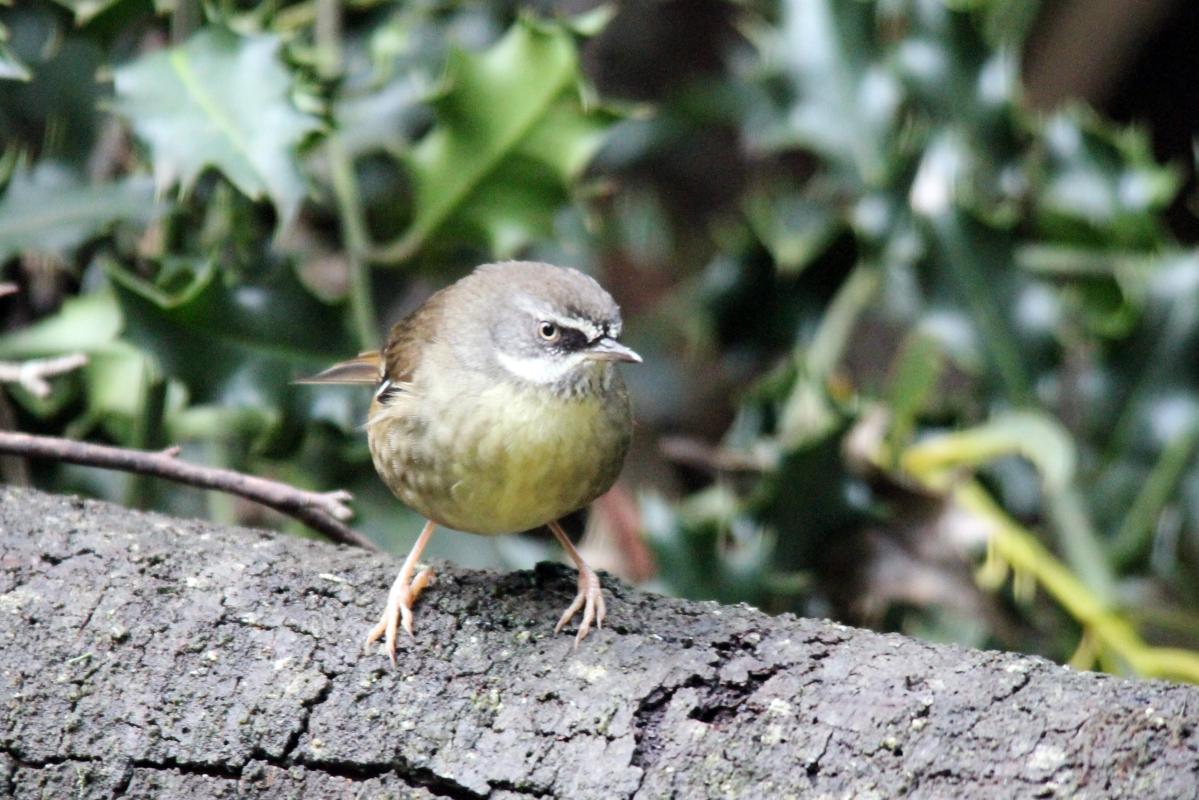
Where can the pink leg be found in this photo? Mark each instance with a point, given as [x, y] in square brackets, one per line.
[403, 594]
[590, 597]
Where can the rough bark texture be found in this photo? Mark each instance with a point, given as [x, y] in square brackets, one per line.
[146, 656]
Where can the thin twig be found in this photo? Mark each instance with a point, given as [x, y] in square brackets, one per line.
[694, 453]
[321, 511]
[32, 374]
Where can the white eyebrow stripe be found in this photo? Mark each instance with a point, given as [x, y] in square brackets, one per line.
[586, 326]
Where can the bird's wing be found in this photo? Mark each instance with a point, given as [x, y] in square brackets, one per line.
[399, 357]
[409, 338]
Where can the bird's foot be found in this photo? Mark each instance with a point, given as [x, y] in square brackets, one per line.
[398, 612]
[590, 598]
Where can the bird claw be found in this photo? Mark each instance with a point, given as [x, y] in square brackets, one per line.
[590, 598]
[400, 599]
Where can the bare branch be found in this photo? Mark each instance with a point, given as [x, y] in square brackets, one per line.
[324, 512]
[694, 453]
[32, 374]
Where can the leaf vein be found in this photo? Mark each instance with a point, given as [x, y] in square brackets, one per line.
[223, 122]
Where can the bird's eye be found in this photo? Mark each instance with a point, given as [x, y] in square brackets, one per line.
[548, 331]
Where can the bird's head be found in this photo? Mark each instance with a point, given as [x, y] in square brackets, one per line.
[550, 326]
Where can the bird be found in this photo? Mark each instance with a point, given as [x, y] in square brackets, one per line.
[498, 408]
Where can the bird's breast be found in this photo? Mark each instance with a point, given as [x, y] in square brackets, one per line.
[504, 458]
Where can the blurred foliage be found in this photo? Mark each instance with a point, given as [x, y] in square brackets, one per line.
[926, 358]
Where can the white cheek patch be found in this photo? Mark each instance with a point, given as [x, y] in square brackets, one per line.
[539, 369]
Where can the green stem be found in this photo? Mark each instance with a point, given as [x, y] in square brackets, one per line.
[1020, 548]
[1015, 435]
[185, 18]
[222, 508]
[357, 243]
[328, 38]
[345, 185]
[828, 345]
[147, 435]
[807, 414]
[1080, 543]
[1136, 530]
[968, 262]
[1169, 349]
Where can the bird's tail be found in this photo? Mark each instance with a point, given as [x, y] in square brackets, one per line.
[363, 368]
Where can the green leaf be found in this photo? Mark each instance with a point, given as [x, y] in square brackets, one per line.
[795, 227]
[846, 100]
[377, 120]
[220, 100]
[1101, 184]
[914, 377]
[239, 346]
[87, 10]
[112, 379]
[696, 553]
[12, 68]
[946, 61]
[973, 255]
[48, 209]
[88, 323]
[512, 135]
[53, 113]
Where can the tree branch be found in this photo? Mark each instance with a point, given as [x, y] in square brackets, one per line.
[32, 374]
[692, 452]
[324, 512]
[126, 681]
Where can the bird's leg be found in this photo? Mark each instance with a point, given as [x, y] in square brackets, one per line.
[403, 594]
[590, 598]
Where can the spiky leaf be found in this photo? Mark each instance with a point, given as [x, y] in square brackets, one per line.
[240, 346]
[224, 101]
[512, 135]
[12, 68]
[48, 209]
[86, 10]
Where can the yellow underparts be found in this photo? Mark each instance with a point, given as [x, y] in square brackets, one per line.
[505, 459]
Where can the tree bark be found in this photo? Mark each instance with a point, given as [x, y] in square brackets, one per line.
[145, 656]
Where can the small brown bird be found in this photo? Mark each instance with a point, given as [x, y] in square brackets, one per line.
[498, 409]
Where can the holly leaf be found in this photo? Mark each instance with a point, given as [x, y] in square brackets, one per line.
[48, 209]
[86, 10]
[220, 100]
[1102, 183]
[512, 135]
[239, 346]
[843, 100]
[795, 225]
[12, 68]
[115, 371]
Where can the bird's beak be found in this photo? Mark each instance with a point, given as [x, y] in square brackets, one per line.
[608, 349]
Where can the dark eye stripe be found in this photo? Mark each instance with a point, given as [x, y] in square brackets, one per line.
[571, 339]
